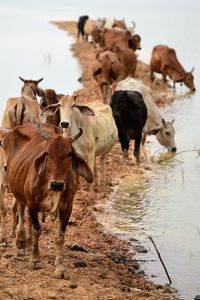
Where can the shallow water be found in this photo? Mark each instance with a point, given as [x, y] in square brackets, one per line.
[167, 206]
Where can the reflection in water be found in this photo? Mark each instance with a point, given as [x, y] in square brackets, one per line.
[166, 207]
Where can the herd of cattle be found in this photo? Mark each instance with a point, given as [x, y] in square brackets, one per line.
[46, 145]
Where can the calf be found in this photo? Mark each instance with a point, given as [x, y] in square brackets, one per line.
[42, 172]
[130, 114]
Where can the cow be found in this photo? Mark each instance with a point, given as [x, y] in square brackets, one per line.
[49, 97]
[80, 26]
[42, 172]
[121, 38]
[20, 110]
[130, 114]
[156, 124]
[90, 25]
[99, 129]
[113, 66]
[164, 60]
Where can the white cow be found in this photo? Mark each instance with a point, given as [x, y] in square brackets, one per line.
[155, 124]
[97, 123]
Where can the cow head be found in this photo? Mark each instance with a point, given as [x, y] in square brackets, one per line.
[68, 108]
[188, 80]
[165, 135]
[135, 42]
[56, 161]
[30, 88]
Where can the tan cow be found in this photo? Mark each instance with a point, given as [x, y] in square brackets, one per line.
[155, 124]
[164, 61]
[42, 172]
[20, 110]
[99, 129]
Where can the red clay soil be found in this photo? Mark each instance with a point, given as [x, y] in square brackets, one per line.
[98, 265]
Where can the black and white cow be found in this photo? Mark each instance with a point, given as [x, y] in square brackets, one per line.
[80, 26]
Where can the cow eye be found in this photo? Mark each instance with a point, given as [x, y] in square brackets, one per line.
[167, 132]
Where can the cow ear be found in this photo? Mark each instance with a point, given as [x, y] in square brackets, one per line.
[85, 110]
[50, 110]
[41, 162]
[81, 167]
[153, 131]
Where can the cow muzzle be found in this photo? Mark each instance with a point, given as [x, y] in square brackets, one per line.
[173, 149]
[64, 124]
[57, 186]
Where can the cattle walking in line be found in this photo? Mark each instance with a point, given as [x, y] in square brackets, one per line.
[97, 123]
[130, 114]
[42, 172]
[20, 110]
[164, 61]
[80, 26]
[156, 124]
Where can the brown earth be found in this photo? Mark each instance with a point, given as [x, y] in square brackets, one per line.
[98, 265]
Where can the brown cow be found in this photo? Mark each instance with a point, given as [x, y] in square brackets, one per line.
[113, 66]
[20, 110]
[49, 97]
[121, 38]
[165, 61]
[42, 172]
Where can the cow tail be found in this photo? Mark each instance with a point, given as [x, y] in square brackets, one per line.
[20, 112]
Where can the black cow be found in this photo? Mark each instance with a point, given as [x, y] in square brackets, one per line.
[130, 114]
[80, 26]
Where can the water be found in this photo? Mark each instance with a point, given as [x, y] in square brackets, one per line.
[167, 205]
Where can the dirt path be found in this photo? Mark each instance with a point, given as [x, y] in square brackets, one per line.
[98, 265]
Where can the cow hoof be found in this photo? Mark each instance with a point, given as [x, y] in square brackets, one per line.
[21, 244]
[35, 265]
[60, 272]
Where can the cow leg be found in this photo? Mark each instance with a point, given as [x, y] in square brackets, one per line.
[144, 135]
[59, 241]
[124, 144]
[20, 235]
[152, 74]
[14, 217]
[36, 235]
[2, 218]
[102, 169]
[137, 148]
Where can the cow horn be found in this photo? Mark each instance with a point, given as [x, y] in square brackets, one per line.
[24, 80]
[77, 135]
[39, 80]
[192, 70]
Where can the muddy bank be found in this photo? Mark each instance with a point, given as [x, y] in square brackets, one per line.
[98, 265]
